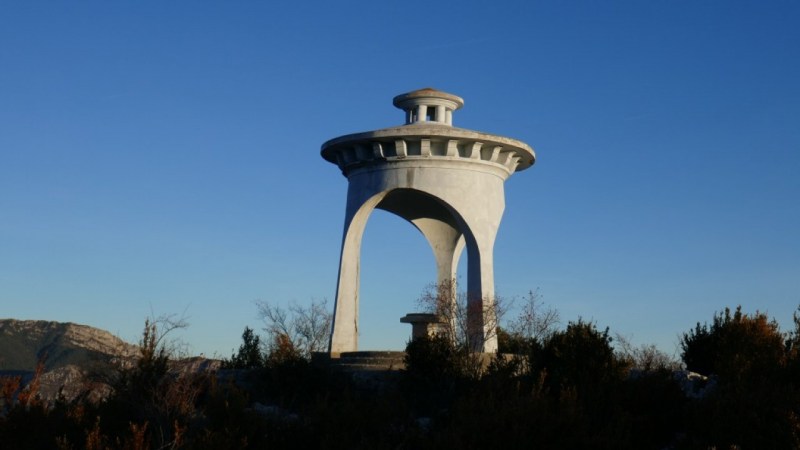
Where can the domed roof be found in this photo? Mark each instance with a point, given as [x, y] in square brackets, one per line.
[403, 101]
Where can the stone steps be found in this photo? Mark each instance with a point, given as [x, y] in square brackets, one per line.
[370, 361]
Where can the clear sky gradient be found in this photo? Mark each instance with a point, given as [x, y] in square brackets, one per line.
[163, 157]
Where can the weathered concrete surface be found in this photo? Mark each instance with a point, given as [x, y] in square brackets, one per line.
[446, 181]
[424, 325]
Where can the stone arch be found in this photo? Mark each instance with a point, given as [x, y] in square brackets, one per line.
[440, 224]
[447, 233]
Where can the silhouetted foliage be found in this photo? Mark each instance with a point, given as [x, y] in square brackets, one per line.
[571, 391]
[756, 402]
[434, 366]
[433, 358]
[759, 416]
[654, 407]
[158, 404]
[580, 357]
[793, 352]
[646, 358]
[250, 354]
[516, 344]
[738, 348]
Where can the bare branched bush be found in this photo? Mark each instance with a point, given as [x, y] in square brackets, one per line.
[460, 317]
[535, 319]
[305, 329]
[467, 324]
[646, 358]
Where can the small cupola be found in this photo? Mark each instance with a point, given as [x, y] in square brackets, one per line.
[428, 105]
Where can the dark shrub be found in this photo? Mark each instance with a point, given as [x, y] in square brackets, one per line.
[756, 402]
[580, 357]
[737, 347]
[433, 358]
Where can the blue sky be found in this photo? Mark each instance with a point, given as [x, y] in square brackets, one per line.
[163, 157]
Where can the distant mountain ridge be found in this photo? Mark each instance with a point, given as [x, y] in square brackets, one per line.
[23, 343]
[74, 355]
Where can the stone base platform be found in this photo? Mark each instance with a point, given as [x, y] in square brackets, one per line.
[361, 361]
[379, 360]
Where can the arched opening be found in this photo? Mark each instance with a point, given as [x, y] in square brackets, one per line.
[447, 235]
[402, 264]
[396, 264]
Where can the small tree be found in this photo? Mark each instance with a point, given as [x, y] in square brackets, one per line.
[304, 329]
[535, 319]
[456, 311]
[533, 325]
[249, 355]
[459, 316]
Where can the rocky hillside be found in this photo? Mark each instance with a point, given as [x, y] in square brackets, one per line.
[69, 352]
[73, 355]
[23, 343]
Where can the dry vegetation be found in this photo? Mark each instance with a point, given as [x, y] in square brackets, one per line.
[569, 387]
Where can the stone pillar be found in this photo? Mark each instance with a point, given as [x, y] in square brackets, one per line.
[423, 113]
[441, 115]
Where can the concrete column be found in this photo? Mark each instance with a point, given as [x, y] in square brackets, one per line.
[441, 115]
[423, 113]
[344, 335]
[446, 242]
[481, 315]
